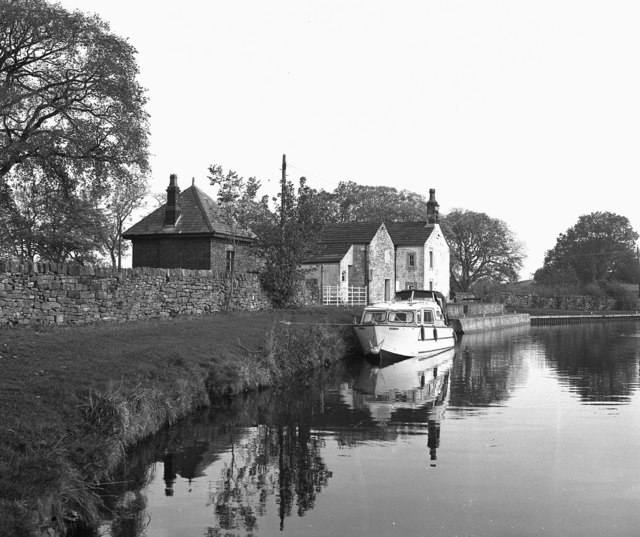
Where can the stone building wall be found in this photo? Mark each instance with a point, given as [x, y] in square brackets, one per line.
[194, 253]
[244, 261]
[437, 249]
[381, 258]
[357, 274]
[48, 293]
[410, 275]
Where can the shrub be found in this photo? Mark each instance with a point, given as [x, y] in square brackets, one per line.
[625, 298]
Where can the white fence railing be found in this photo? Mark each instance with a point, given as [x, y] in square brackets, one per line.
[334, 295]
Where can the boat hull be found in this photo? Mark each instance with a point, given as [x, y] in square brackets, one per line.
[393, 343]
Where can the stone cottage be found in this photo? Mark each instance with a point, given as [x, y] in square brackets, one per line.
[371, 261]
[353, 257]
[190, 231]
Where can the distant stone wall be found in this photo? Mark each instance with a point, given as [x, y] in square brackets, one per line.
[48, 293]
[464, 325]
[459, 310]
[570, 303]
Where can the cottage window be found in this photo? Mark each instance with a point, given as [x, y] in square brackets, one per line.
[430, 259]
[230, 260]
[411, 260]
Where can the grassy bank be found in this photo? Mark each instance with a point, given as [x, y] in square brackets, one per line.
[73, 399]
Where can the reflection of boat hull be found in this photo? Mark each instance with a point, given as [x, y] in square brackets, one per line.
[405, 375]
[393, 343]
[406, 386]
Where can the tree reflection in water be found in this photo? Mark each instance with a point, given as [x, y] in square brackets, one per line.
[276, 460]
[598, 361]
[280, 457]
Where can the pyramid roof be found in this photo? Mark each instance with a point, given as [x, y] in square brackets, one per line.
[198, 215]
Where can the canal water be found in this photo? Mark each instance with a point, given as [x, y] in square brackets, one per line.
[527, 431]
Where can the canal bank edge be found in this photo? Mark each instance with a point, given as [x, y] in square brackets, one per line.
[464, 325]
[120, 417]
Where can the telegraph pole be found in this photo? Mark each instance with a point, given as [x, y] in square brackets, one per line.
[283, 186]
[638, 260]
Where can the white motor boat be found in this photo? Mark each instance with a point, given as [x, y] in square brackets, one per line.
[413, 324]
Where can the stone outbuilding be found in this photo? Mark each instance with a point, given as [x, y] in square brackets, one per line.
[367, 262]
[190, 231]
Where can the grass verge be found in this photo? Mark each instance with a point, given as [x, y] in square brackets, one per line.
[73, 399]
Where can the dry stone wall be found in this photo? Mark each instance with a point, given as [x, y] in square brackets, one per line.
[459, 310]
[48, 293]
[569, 303]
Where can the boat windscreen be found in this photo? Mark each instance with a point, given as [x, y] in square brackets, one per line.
[400, 316]
[374, 316]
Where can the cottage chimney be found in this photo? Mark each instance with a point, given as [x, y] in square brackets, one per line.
[172, 211]
[433, 209]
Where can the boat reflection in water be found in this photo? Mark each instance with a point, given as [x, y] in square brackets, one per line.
[407, 393]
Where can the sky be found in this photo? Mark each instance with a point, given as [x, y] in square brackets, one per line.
[528, 111]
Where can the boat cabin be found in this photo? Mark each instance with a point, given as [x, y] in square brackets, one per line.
[414, 316]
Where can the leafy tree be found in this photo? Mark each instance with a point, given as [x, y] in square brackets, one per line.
[562, 277]
[127, 195]
[70, 104]
[285, 240]
[482, 249]
[352, 202]
[600, 247]
[43, 222]
[237, 197]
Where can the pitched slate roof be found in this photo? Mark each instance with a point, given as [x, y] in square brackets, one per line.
[409, 233]
[199, 215]
[336, 239]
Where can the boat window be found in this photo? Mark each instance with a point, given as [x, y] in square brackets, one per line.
[428, 316]
[374, 316]
[400, 316]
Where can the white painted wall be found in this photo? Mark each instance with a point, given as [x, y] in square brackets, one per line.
[438, 275]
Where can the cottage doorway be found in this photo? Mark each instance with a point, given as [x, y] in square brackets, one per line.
[387, 289]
